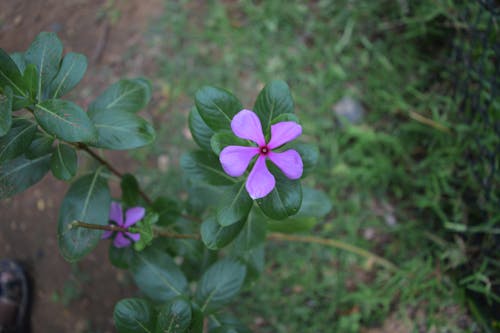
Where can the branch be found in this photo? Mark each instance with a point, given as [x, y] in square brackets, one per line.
[335, 244]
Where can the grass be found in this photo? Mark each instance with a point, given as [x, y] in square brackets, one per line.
[397, 179]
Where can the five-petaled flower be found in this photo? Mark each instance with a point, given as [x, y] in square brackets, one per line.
[132, 216]
[235, 159]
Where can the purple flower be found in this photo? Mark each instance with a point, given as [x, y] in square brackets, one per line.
[132, 216]
[235, 159]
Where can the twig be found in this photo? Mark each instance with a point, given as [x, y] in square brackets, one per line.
[336, 244]
[159, 231]
[429, 122]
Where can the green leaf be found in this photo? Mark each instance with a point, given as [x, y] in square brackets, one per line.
[64, 162]
[30, 78]
[124, 96]
[5, 111]
[315, 205]
[134, 315]
[121, 130]
[11, 76]
[285, 199]
[157, 276]
[201, 166]
[40, 145]
[174, 317]
[17, 140]
[65, 120]
[255, 262]
[235, 205]
[130, 190]
[145, 229]
[19, 174]
[18, 58]
[285, 117]
[275, 99]
[197, 319]
[309, 154]
[87, 200]
[199, 129]
[224, 322]
[217, 107]
[219, 284]
[120, 257]
[45, 53]
[168, 210]
[215, 236]
[72, 70]
[220, 140]
[253, 233]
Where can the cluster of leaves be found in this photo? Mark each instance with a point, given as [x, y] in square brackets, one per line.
[39, 132]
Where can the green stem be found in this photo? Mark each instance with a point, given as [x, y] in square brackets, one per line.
[335, 244]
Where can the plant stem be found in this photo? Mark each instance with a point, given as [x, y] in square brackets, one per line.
[110, 168]
[336, 244]
[159, 231]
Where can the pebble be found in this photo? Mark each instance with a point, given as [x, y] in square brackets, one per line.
[350, 109]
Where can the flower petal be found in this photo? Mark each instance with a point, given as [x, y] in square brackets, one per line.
[116, 213]
[260, 182]
[107, 234]
[132, 215]
[246, 125]
[235, 159]
[283, 132]
[134, 237]
[121, 240]
[289, 162]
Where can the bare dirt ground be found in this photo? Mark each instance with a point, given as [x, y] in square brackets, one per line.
[78, 297]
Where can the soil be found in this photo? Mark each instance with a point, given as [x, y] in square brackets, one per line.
[73, 297]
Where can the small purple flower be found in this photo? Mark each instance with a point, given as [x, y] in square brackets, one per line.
[235, 159]
[132, 216]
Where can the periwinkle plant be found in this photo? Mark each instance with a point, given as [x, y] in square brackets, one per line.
[222, 247]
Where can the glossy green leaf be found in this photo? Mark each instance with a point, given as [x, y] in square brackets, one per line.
[309, 154]
[235, 205]
[252, 234]
[220, 140]
[19, 174]
[40, 145]
[217, 107]
[130, 190]
[5, 111]
[30, 78]
[220, 284]
[45, 52]
[205, 167]
[17, 140]
[174, 317]
[200, 131]
[18, 58]
[64, 162]
[123, 96]
[285, 199]
[254, 260]
[11, 76]
[215, 236]
[120, 257]
[157, 276]
[65, 120]
[119, 130]
[72, 70]
[275, 99]
[87, 200]
[315, 205]
[134, 315]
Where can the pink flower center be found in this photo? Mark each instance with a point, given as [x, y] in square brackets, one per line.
[264, 150]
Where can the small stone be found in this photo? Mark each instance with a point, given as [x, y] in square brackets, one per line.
[163, 163]
[350, 109]
[40, 205]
